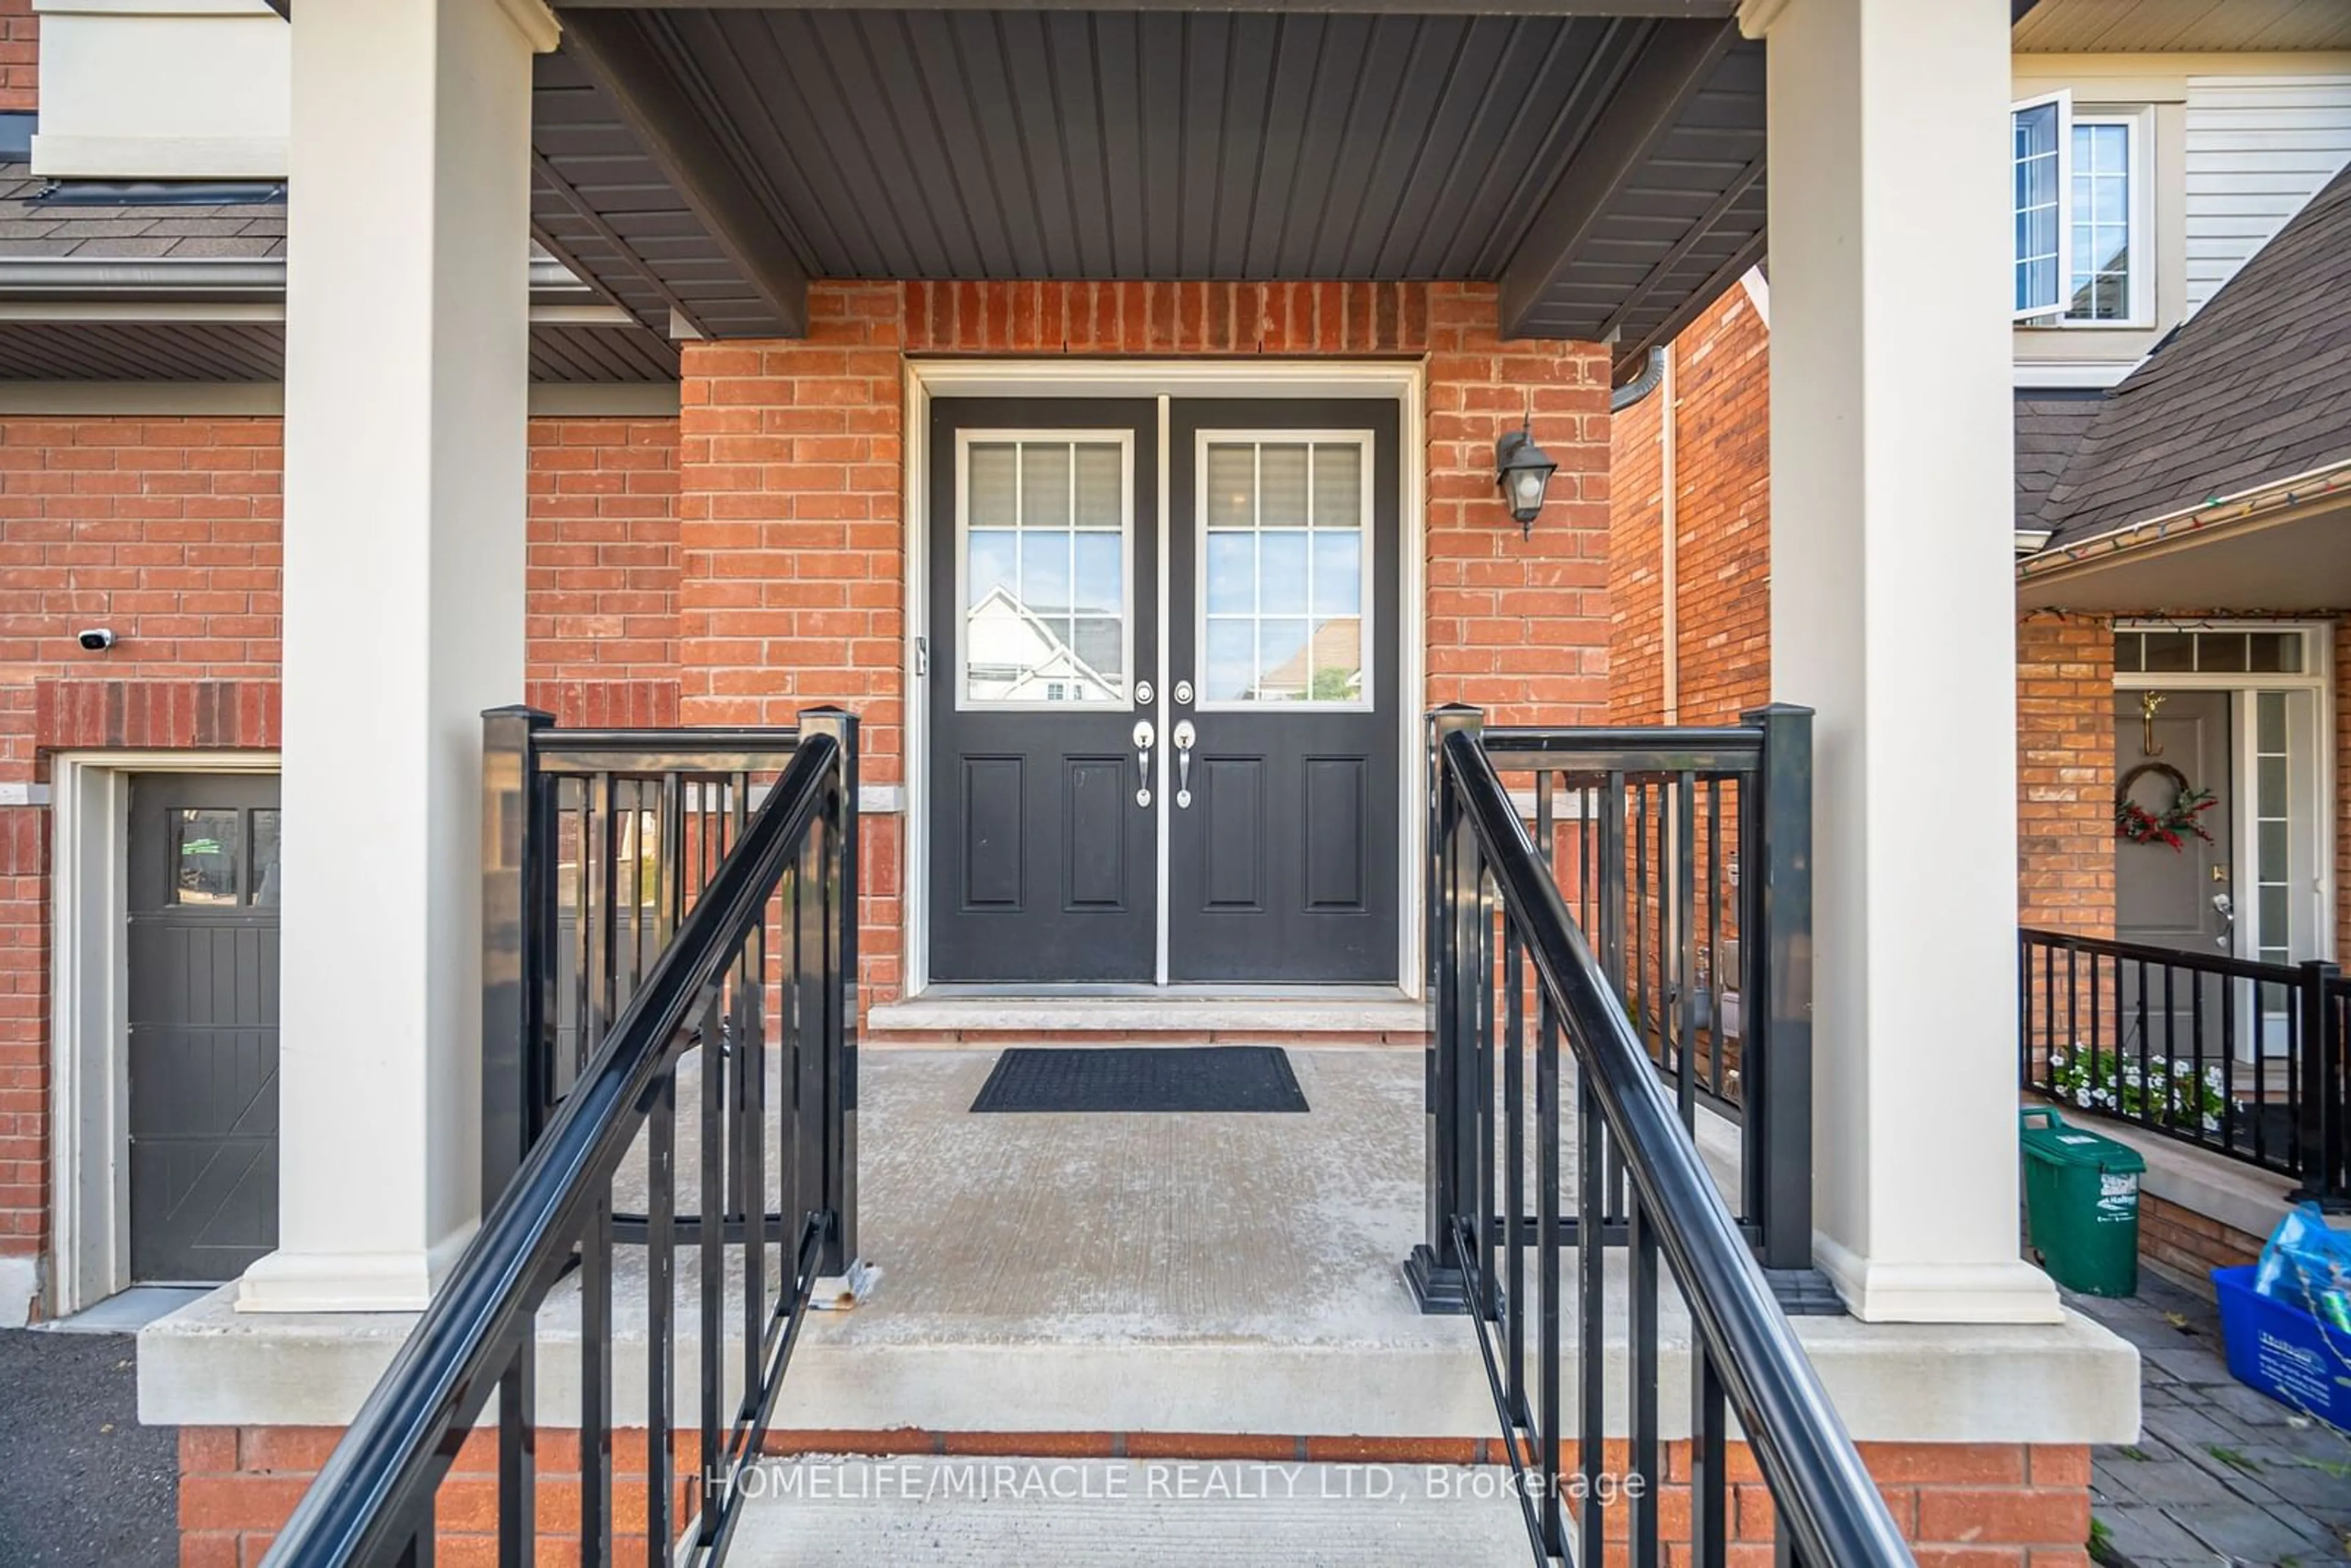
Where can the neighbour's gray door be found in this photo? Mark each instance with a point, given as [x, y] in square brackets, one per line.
[1229, 812]
[2182, 898]
[204, 1025]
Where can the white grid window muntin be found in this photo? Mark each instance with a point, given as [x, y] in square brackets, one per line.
[2106, 239]
[2273, 910]
[1284, 569]
[2040, 151]
[1044, 569]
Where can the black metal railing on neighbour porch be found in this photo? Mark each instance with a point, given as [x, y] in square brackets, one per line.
[2246, 1060]
[739, 1003]
[1565, 1085]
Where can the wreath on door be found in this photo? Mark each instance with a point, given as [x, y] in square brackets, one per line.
[2136, 824]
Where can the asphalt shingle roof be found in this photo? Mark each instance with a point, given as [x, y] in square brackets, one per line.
[2050, 425]
[2252, 388]
[132, 232]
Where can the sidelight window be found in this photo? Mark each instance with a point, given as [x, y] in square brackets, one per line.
[1046, 569]
[1285, 575]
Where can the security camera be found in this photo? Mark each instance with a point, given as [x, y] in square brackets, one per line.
[97, 640]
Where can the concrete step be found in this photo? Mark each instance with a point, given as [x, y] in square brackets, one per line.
[818, 1512]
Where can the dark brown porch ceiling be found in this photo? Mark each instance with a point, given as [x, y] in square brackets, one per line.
[1605, 170]
[132, 351]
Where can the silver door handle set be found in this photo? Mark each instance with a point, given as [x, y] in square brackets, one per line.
[1146, 737]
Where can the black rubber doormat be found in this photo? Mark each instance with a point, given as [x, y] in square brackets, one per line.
[1141, 1078]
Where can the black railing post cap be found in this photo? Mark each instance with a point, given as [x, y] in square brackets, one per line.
[520, 710]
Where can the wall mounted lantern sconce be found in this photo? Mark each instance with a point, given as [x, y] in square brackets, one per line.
[1522, 473]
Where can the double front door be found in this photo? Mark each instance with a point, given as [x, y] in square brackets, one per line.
[1164, 691]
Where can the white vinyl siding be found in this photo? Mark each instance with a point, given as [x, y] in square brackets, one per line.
[2258, 147]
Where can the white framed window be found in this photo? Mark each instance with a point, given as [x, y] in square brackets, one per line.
[2109, 244]
[1044, 568]
[2042, 156]
[1285, 573]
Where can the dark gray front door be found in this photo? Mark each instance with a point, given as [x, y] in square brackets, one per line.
[1282, 599]
[204, 1025]
[1227, 812]
[1044, 592]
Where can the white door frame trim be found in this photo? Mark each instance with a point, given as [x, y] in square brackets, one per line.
[1403, 380]
[89, 978]
[2317, 677]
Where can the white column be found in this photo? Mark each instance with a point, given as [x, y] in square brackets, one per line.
[1893, 615]
[406, 378]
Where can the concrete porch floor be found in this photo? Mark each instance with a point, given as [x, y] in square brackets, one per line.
[1104, 1274]
[1179, 1272]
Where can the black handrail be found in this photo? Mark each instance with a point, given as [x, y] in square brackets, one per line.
[1686, 853]
[2247, 1060]
[372, 1502]
[1746, 1353]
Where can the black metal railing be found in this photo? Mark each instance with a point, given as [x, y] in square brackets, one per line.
[1685, 856]
[1558, 1102]
[2246, 1060]
[745, 1012]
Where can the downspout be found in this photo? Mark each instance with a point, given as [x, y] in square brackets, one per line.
[1659, 371]
[1670, 630]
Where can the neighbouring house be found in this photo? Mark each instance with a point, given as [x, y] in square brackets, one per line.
[1014, 500]
[2182, 529]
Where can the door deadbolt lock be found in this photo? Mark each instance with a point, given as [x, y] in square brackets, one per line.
[1143, 693]
[1185, 735]
[1145, 738]
[1184, 692]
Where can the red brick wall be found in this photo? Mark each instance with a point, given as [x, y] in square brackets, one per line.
[20, 56]
[793, 545]
[2189, 1246]
[1983, 1505]
[167, 531]
[1722, 436]
[603, 568]
[2065, 772]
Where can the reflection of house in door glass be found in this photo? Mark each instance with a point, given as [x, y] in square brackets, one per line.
[1014, 654]
[1045, 572]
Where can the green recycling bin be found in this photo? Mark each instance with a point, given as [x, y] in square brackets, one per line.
[2081, 1205]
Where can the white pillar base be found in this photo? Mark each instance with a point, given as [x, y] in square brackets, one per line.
[348, 1281]
[1883, 1292]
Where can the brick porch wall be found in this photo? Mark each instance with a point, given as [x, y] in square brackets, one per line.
[2065, 772]
[20, 56]
[1722, 446]
[793, 543]
[167, 531]
[2189, 1246]
[1985, 1505]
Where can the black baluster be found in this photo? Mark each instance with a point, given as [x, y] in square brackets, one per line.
[518, 1453]
[1514, 1163]
[596, 1385]
[1641, 1362]
[1710, 1494]
[660, 1321]
[711, 1287]
[1592, 1303]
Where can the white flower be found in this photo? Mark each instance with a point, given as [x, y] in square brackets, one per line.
[2056, 1059]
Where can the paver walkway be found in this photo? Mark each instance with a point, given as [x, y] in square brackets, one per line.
[2220, 1474]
